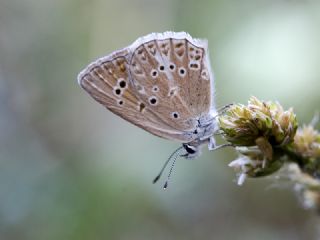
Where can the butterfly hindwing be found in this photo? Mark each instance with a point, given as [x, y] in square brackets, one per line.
[108, 81]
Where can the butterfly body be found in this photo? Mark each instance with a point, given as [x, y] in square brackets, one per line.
[162, 83]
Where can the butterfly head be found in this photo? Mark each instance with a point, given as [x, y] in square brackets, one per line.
[192, 150]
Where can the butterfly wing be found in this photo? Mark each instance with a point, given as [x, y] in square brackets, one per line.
[171, 72]
[107, 80]
[161, 83]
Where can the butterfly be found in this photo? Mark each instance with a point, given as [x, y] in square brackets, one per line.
[162, 83]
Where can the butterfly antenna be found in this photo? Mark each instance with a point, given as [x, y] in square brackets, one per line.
[224, 108]
[172, 166]
[174, 156]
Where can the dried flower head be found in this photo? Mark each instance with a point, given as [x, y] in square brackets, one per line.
[262, 130]
[306, 186]
[307, 142]
[252, 162]
[243, 125]
[266, 137]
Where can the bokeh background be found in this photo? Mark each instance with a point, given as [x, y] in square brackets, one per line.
[69, 169]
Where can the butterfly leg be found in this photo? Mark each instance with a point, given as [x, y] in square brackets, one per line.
[213, 146]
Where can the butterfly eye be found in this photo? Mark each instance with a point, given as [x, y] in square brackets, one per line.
[190, 149]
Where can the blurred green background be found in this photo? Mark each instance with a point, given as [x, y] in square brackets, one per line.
[69, 169]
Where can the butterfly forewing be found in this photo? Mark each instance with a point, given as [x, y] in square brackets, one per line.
[171, 75]
[161, 83]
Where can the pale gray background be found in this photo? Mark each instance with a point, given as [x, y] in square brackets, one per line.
[69, 169]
